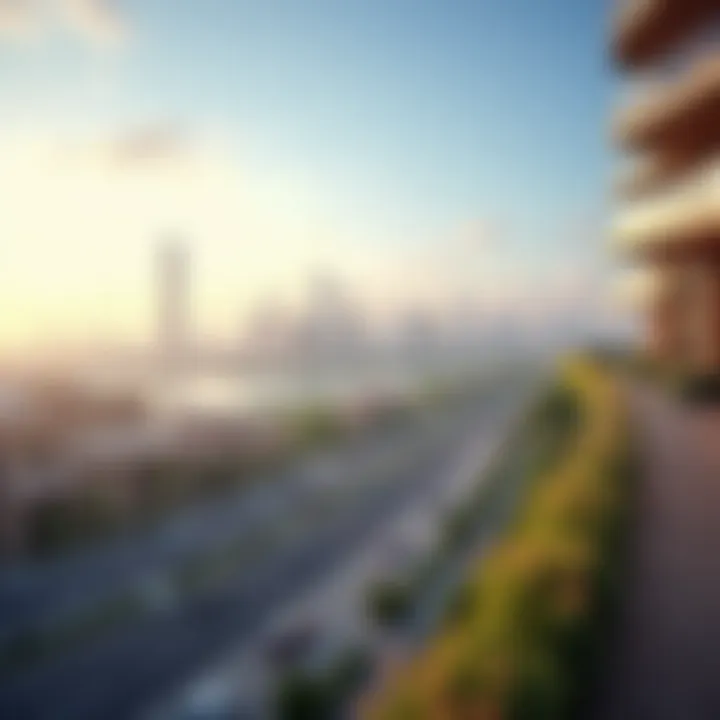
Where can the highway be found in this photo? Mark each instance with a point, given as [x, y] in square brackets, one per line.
[123, 673]
[241, 684]
[40, 593]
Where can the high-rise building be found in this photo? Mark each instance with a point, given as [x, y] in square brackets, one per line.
[173, 304]
[332, 324]
[670, 216]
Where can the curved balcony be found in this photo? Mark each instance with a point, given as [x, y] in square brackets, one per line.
[636, 289]
[672, 113]
[648, 29]
[638, 178]
[680, 220]
[652, 172]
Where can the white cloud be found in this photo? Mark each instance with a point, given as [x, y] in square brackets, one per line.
[18, 17]
[149, 143]
[478, 235]
[97, 21]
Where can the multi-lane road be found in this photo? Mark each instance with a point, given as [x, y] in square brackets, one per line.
[42, 593]
[322, 512]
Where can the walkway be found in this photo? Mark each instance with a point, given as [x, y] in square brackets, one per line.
[666, 665]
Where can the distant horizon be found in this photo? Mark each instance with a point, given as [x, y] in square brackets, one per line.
[421, 153]
[455, 320]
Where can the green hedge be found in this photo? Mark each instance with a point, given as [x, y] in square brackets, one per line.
[525, 637]
[320, 695]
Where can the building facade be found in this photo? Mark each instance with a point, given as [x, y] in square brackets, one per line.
[669, 215]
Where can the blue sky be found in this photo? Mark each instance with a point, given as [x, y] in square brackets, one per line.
[419, 108]
[392, 124]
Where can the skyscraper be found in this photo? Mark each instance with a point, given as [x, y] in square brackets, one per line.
[670, 219]
[173, 284]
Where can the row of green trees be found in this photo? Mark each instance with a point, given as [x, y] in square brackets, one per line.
[113, 499]
[123, 497]
[109, 500]
[539, 438]
[524, 638]
[322, 694]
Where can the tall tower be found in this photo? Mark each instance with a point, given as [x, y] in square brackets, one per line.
[669, 220]
[173, 284]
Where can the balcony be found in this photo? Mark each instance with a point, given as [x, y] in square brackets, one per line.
[682, 218]
[670, 112]
[646, 30]
[652, 172]
[636, 288]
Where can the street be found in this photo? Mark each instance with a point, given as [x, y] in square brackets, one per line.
[39, 593]
[124, 673]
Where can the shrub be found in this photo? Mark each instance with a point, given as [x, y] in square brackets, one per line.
[319, 696]
[302, 697]
[389, 601]
[523, 635]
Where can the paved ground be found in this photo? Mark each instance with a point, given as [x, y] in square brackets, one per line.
[666, 665]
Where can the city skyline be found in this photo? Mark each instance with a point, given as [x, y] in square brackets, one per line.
[325, 309]
[313, 138]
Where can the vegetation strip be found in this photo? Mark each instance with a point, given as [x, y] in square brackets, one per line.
[524, 639]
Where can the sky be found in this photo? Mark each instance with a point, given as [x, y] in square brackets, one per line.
[420, 150]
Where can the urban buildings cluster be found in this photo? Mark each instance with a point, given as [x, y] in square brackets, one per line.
[329, 325]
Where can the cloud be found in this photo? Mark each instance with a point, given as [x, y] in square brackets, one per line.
[96, 21]
[18, 17]
[149, 143]
[478, 234]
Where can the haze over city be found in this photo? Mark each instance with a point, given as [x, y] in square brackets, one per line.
[359, 359]
[387, 146]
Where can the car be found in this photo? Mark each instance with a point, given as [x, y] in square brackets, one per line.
[292, 644]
